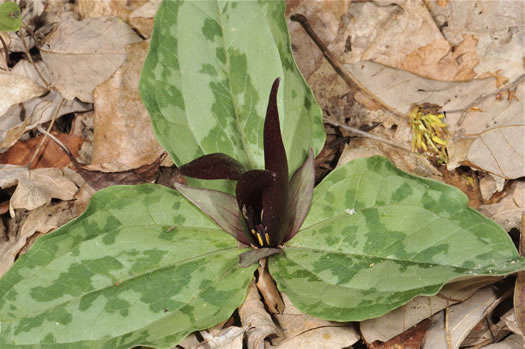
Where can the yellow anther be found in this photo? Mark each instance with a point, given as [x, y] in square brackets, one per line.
[260, 240]
[267, 238]
[253, 232]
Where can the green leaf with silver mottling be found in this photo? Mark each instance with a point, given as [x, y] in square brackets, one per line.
[376, 237]
[10, 17]
[207, 79]
[141, 266]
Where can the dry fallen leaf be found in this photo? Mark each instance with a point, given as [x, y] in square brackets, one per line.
[254, 316]
[304, 331]
[411, 338]
[50, 155]
[40, 220]
[268, 289]
[35, 188]
[407, 161]
[496, 25]
[493, 137]
[21, 118]
[124, 137]
[102, 8]
[398, 321]
[438, 61]
[16, 89]
[508, 211]
[228, 338]
[81, 55]
[325, 17]
[462, 318]
[512, 342]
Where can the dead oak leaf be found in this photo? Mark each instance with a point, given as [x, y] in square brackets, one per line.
[82, 54]
[35, 188]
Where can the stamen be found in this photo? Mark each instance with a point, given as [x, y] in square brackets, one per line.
[267, 238]
[252, 245]
[253, 232]
[260, 240]
[262, 212]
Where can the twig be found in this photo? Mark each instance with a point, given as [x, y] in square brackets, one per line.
[6, 52]
[478, 100]
[334, 62]
[58, 142]
[367, 135]
[48, 129]
[31, 58]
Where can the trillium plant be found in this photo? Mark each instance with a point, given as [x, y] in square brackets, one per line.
[147, 264]
[271, 208]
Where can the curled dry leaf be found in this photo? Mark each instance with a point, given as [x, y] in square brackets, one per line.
[82, 54]
[270, 293]
[398, 321]
[508, 211]
[21, 118]
[123, 134]
[304, 331]
[40, 220]
[462, 318]
[35, 188]
[17, 89]
[512, 342]
[259, 322]
[228, 338]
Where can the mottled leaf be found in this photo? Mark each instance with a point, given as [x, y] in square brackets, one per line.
[207, 79]
[10, 17]
[141, 266]
[376, 237]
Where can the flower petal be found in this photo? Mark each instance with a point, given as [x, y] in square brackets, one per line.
[249, 192]
[300, 194]
[275, 197]
[220, 207]
[213, 166]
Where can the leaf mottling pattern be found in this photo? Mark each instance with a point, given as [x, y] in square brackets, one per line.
[141, 266]
[376, 237]
[206, 78]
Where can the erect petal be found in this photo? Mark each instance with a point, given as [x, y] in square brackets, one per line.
[249, 192]
[213, 166]
[300, 194]
[275, 197]
[220, 207]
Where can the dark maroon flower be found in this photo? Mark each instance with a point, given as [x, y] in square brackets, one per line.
[269, 208]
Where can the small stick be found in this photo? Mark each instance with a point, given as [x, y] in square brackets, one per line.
[367, 135]
[31, 58]
[46, 134]
[478, 100]
[6, 52]
[334, 62]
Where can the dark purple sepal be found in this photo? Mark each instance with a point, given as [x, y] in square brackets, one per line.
[300, 195]
[249, 193]
[213, 166]
[275, 198]
[220, 207]
[250, 187]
